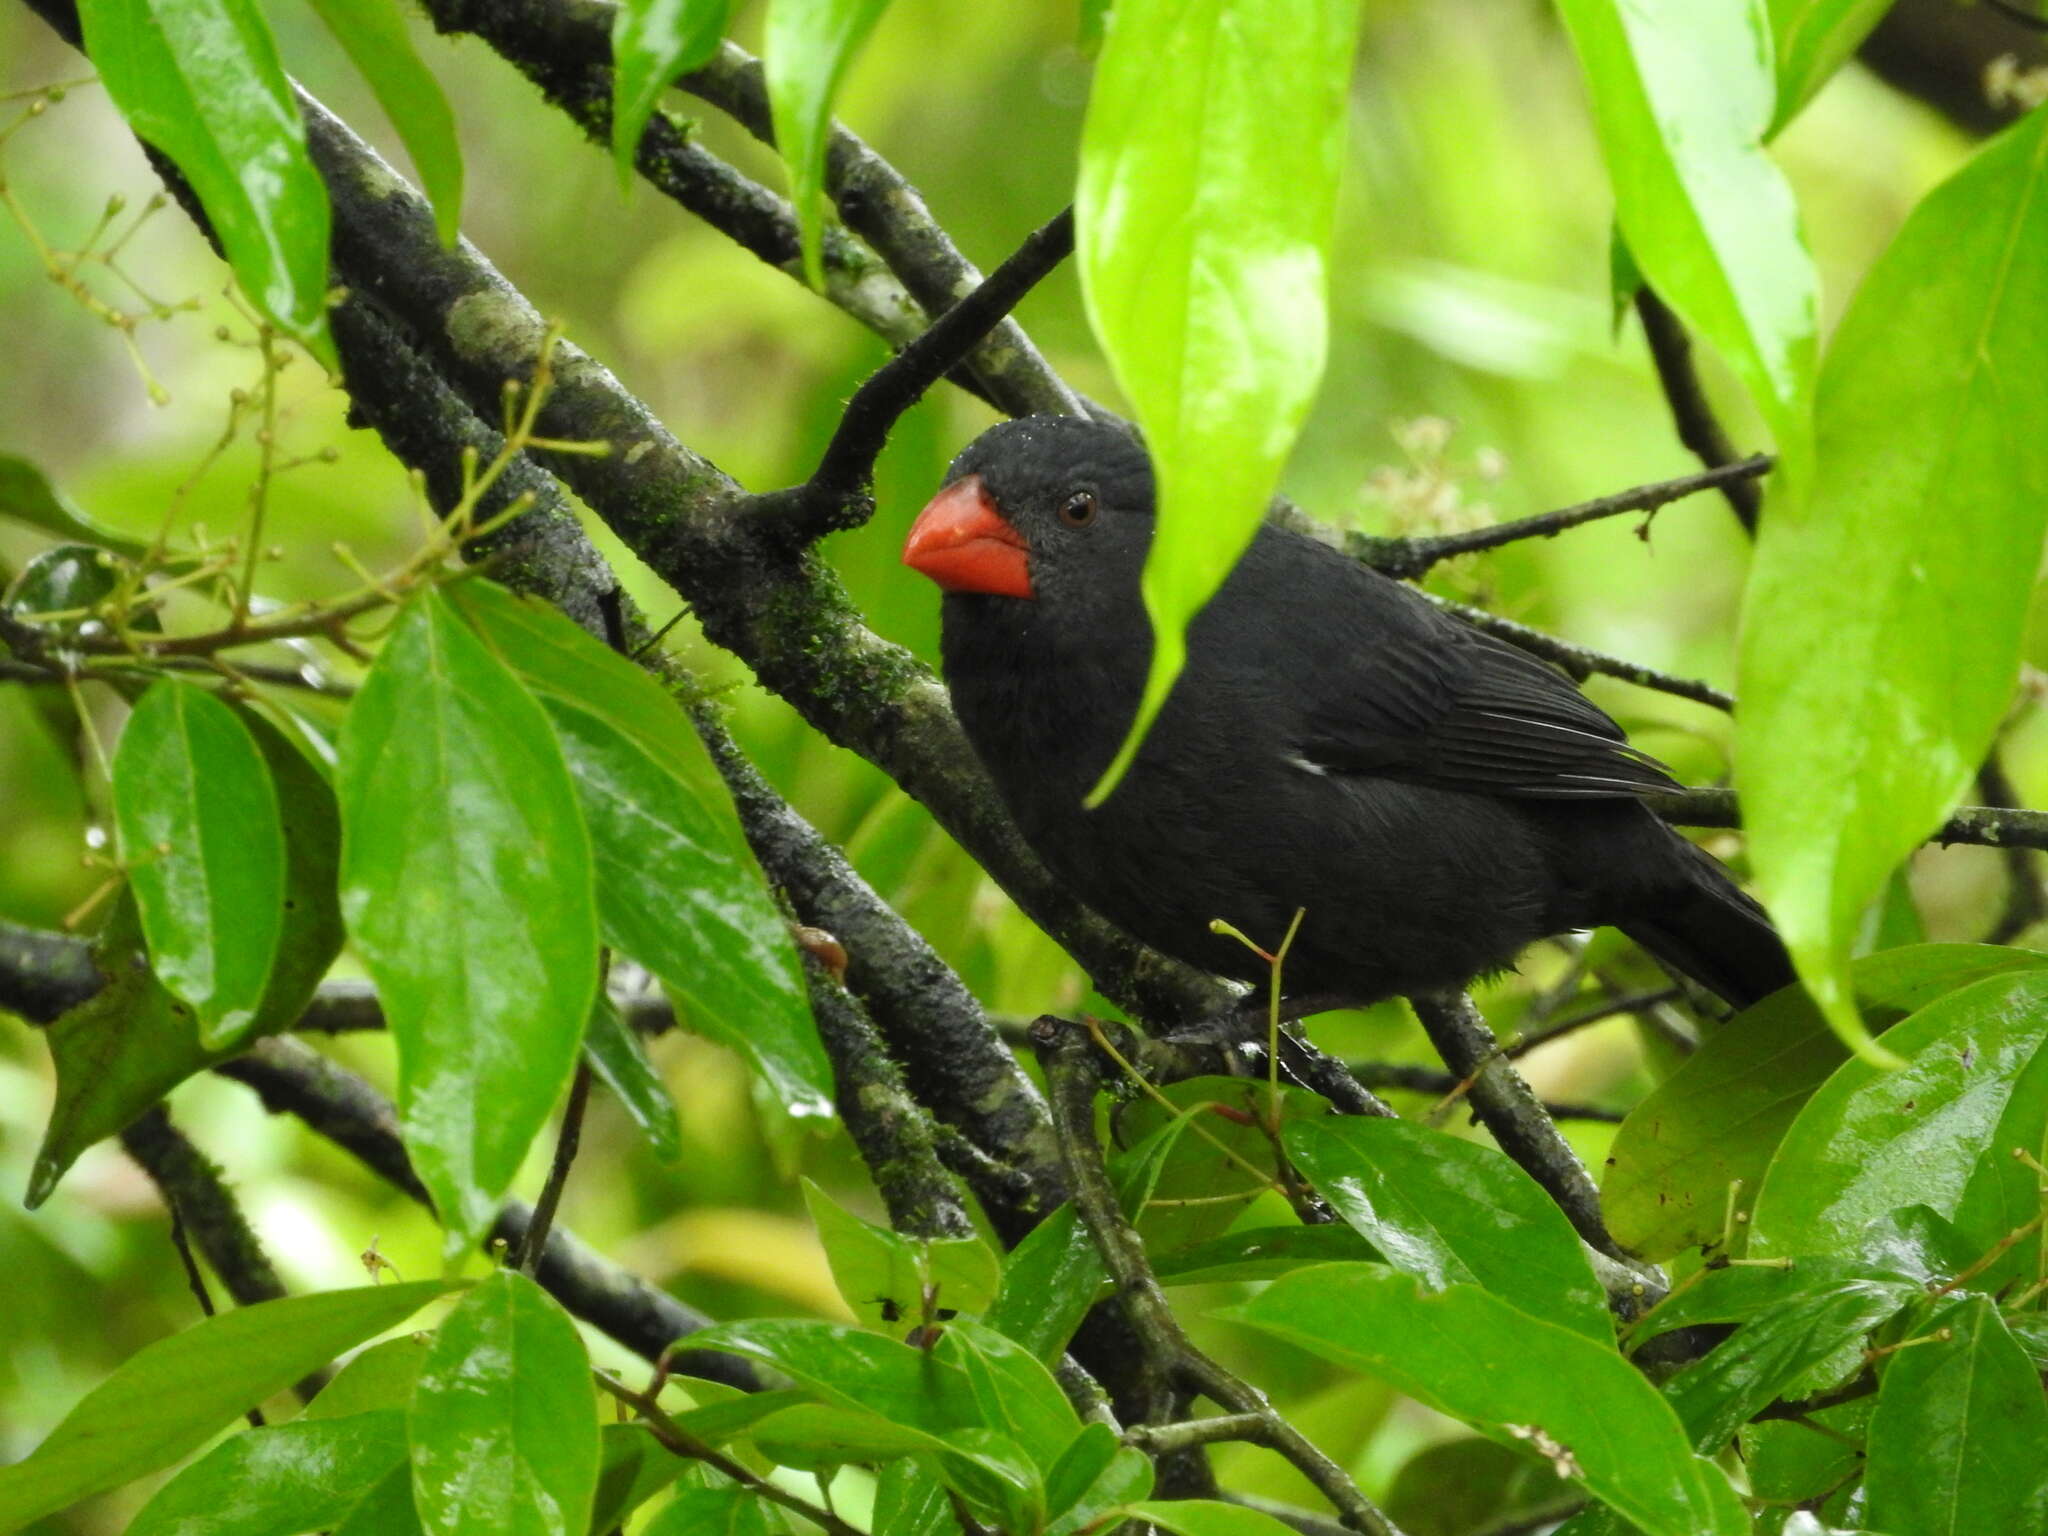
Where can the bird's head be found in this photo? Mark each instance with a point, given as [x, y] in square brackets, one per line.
[1032, 504]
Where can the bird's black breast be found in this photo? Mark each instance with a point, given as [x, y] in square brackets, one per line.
[1222, 815]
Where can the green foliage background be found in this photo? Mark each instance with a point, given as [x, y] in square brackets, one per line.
[1469, 286]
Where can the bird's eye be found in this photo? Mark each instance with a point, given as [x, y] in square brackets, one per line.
[1078, 510]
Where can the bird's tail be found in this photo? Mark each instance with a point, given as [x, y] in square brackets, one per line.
[1709, 929]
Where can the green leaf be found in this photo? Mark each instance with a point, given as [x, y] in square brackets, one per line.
[504, 1418]
[116, 1053]
[615, 1051]
[806, 46]
[200, 79]
[1871, 1141]
[1204, 211]
[311, 932]
[372, 33]
[466, 882]
[203, 845]
[677, 887]
[1012, 1391]
[62, 580]
[883, 1275]
[1789, 1351]
[1206, 1142]
[713, 1512]
[1959, 1442]
[1206, 1517]
[283, 1478]
[633, 1467]
[386, 1510]
[1739, 1292]
[995, 1479]
[1682, 97]
[1870, 697]
[2031, 1330]
[1515, 1379]
[1094, 1474]
[653, 41]
[1721, 1115]
[1813, 39]
[1262, 1253]
[852, 1369]
[691, 908]
[132, 1042]
[1452, 1212]
[911, 1501]
[27, 495]
[1460, 1486]
[169, 1398]
[1050, 1280]
[382, 1376]
[2005, 1194]
[717, 1422]
[817, 1436]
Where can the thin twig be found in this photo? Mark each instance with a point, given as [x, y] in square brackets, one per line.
[196, 1283]
[1161, 1439]
[1072, 1072]
[1438, 1084]
[1984, 825]
[203, 1209]
[884, 209]
[534, 1241]
[2026, 903]
[1523, 1044]
[2032, 21]
[1699, 429]
[1410, 558]
[680, 1442]
[836, 495]
[1582, 661]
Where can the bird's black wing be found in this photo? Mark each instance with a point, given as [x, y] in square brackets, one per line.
[1400, 690]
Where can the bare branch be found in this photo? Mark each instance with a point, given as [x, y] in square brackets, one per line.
[1429, 1080]
[2026, 903]
[1985, 825]
[836, 495]
[1691, 412]
[533, 1241]
[1582, 661]
[1412, 558]
[1634, 1002]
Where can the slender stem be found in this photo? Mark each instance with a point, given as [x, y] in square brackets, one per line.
[1410, 558]
[1691, 412]
[1582, 661]
[836, 495]
[681, 1442]
[1522, 1045]
[571, 1137]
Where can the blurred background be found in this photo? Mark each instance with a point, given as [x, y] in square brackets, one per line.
[1477, 372]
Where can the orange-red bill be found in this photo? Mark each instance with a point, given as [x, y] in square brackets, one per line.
[964, 544]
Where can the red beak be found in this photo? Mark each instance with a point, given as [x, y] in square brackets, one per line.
[964, 544]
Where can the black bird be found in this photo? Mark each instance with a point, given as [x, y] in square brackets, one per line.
[1431, 797]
